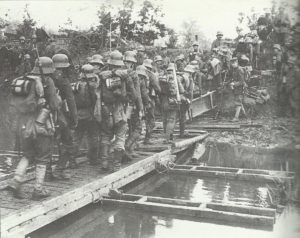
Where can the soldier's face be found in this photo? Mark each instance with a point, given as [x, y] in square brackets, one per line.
[128, 64]
[22, 41]
[195, 47]
[219, 37]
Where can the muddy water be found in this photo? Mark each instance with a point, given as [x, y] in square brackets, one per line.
[94, 221]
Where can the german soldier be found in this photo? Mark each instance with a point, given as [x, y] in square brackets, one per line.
[36, 106]
[135, 108]
[86, 98]
[153, 91]
[114, 95]
[67, 116]
[238, 83]
[187, 84]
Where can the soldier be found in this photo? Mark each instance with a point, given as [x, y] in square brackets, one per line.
[85, 93]
[135, 109]
[195, 53]
[153, 91]
[114, 94]
[35, 106]
[25, 66]
[67, 116]
[238, 83]
[186, 95]
[165, 58]
[198, 78]
[218, 42]
[180, 64]
[169, 99]
[141, 55]
[158, 64]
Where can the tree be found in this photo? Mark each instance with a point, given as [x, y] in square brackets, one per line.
[27, 27]
[124, 18]
[191, 29]
[149, 26]
[173, 38]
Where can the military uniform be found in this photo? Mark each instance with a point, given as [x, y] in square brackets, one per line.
[238, 83]
[36, 115]
[154, 90]
[169, 101]
[114, 85]
[67, 115]
[187, 87]
[86, 99]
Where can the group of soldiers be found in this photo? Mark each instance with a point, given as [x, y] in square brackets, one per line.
[109, 101]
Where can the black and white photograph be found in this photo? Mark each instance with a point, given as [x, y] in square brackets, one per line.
[149, 118]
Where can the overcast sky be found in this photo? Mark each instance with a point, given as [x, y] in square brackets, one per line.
[212, 15]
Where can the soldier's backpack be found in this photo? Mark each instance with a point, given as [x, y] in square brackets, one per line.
[83, 94]
[26, 91]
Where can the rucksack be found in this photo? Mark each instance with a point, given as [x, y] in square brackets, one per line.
[84, 97]
[25, 93]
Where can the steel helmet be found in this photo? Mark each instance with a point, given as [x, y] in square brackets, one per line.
[22, 38]
[130, 56]
[171, 67]
[179, 57]
[60, 61]
[46, 65]
[195, 43]
[88, 71]
[141, 70]
[148, 63]
[189, 68]
[116, 58]
[141, 48]
[96, 59]
[219, 33]
[157, 58]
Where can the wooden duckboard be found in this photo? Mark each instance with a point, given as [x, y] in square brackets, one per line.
[21, 217]
[255, 175]
[255, 216]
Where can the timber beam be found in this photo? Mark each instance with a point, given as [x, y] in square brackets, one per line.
[255, 175]
[235, 214]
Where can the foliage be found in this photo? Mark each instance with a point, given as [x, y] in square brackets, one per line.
[173, 38]
[191, 29]
[27, 27]
[149, 26]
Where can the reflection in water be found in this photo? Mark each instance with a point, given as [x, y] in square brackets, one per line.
[122, 223]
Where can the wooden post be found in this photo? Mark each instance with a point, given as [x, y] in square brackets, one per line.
[188, 142]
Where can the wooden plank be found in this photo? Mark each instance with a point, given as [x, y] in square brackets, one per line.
[199, 150]
[32, 218]
[202, 104]
[198, 212]
[187, 142]
[212, 205]
[232, 175]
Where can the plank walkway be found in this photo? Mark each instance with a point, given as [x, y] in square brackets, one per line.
[87, 185]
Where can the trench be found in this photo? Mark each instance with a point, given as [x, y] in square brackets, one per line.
[96, 220]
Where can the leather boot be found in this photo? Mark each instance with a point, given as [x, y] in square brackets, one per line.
[117, 157]
[16, 183]
[39, 191]
[60, 174]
